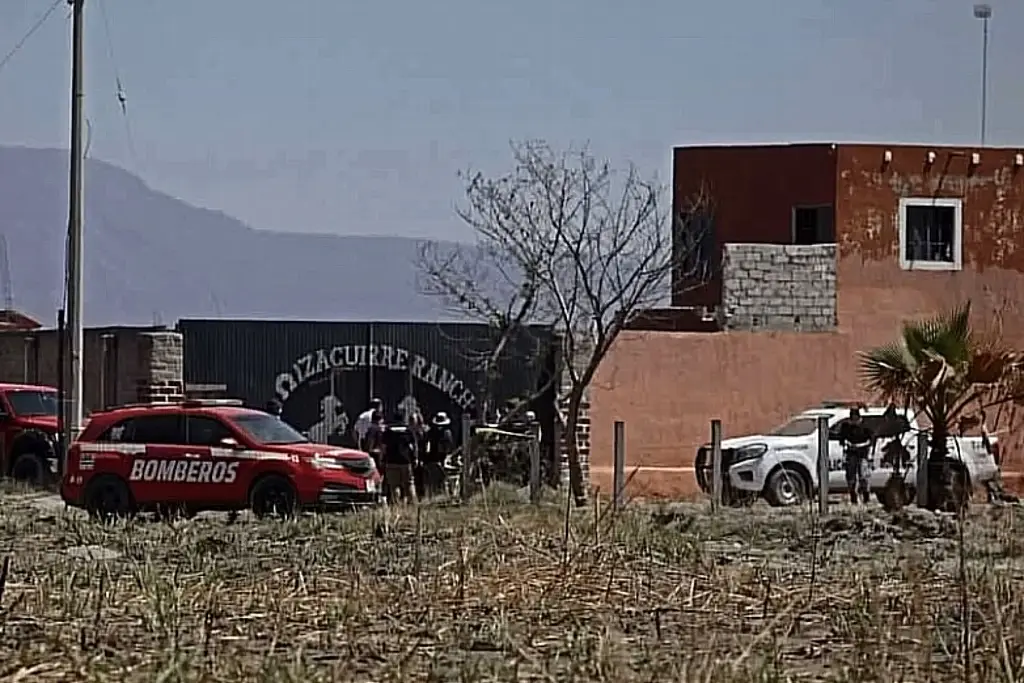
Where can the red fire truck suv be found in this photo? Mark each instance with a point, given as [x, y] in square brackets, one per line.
[208, 455]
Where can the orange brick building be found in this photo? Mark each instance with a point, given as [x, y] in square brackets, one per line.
[815, 252]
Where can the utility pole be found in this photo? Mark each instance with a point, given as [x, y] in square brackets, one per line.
[984, 12]
[73, 426]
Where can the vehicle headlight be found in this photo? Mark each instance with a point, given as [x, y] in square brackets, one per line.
[324, 463]
[751, 452]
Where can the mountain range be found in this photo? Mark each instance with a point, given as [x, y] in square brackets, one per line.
[150, 257]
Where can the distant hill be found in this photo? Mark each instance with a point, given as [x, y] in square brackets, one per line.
[150, 256]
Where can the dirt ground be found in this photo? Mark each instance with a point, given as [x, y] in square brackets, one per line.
[501, 590]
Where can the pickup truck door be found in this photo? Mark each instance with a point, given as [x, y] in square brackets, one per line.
[836, 471]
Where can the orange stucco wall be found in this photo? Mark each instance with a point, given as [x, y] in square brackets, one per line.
[668, 386]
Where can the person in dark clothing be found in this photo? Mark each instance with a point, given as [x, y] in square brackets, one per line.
[439, 445]
[373, 440]
[399, 460]
[856, 440]
[274, 407]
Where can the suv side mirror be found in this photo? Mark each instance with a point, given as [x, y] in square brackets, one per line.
[228, 442]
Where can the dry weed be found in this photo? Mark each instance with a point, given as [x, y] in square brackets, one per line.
[501, 590]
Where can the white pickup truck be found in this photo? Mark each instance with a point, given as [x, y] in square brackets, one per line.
[781, 466]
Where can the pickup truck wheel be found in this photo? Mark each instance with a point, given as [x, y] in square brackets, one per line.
[31, 468]
[273, 495]
[785, 488]
[107, 497]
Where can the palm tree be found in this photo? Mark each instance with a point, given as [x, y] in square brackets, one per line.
[948, 373]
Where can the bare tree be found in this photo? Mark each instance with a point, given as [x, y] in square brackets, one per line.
[563, 239]
[496, 280]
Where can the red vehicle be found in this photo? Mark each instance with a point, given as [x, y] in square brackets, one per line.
[29, 442]
[209, 455]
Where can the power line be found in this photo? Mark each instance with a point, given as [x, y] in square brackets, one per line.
[24, 39]
[122, 98]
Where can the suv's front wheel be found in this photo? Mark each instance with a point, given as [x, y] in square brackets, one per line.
[273, 495]
[786, 487]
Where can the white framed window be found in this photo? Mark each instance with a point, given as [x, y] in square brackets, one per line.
[931, 233]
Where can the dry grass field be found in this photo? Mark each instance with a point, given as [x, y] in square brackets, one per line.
[502, 591]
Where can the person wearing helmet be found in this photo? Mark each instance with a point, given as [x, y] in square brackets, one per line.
[856, 439]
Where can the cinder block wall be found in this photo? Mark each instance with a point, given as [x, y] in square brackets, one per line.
[121, 365]
[779, 287]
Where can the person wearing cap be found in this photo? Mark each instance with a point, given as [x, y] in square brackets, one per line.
[439, 445]
[364, 421]
[399, 460]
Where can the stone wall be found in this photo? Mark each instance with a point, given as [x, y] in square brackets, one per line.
[779, 287]
[121, 365]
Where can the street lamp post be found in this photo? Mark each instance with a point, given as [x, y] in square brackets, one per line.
[984, 12]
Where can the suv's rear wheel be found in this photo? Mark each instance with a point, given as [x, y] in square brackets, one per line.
[786, 487]
[273, 495]
[107, 497]
[31, 468]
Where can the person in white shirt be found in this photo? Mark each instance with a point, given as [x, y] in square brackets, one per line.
[364, 421]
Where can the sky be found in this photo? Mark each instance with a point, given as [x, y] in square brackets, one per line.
[354, 117]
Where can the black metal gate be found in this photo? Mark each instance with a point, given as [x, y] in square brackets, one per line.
[325, 373]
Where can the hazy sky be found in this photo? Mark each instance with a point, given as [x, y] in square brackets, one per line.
[353, 117]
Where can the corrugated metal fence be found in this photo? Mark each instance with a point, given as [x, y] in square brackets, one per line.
[325, 373]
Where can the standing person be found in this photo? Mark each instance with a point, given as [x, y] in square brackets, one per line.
[399, 461]
[364, 421]
[418, 433]
[856, 440]
[274, 407]
[439, 445]
[373, 440]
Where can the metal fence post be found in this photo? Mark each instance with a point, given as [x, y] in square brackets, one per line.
[619, 471]
[922, 468]
[716, 464]
[535, 467]
[823, 465]
[464, 481]
[27, 348]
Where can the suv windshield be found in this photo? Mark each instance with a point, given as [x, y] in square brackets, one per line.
[798, 426]
[268, 429]
[33, 403]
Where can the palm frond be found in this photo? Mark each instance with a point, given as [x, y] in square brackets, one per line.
[888, 370]
[948, 335]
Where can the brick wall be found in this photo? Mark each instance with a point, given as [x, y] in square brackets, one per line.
[582, 427]
[779, 287]
[121, 365]
[582, 439]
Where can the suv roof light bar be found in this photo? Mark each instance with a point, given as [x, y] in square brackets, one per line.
[186, 403]
[198, 402]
